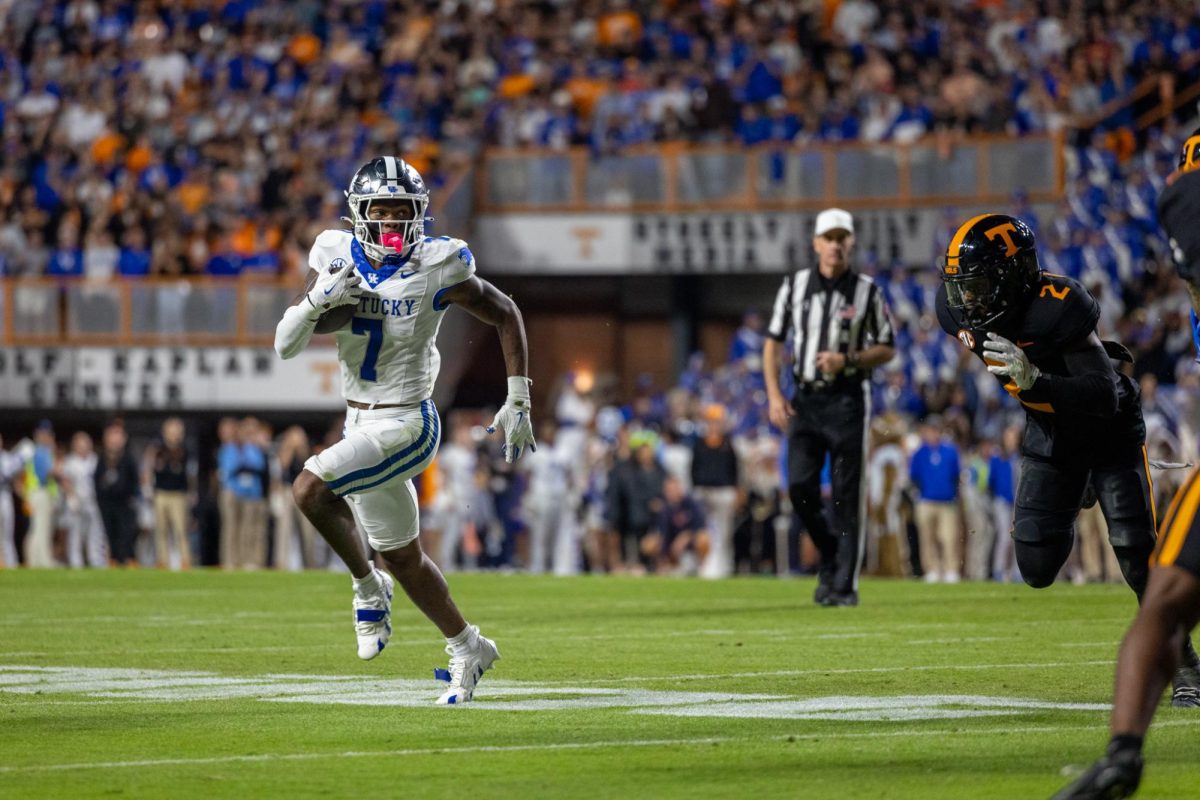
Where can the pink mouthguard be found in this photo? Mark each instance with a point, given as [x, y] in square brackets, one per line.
[393, 240]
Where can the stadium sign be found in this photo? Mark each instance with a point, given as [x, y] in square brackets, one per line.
[691, 243]
[166, 378]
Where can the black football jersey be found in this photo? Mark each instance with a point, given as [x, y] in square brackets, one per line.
[1059, 314]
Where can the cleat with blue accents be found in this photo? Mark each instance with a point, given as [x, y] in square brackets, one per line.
[373, 618]
[464, 673]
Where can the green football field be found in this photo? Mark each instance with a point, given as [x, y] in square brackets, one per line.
[204, 684]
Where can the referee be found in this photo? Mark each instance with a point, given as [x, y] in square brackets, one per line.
[838, 324]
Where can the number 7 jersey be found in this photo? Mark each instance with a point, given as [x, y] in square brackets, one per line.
[388, 352]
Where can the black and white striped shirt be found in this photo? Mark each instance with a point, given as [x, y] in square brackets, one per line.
[845, 315]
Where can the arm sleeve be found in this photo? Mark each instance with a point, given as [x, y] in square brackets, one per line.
[777, 328]
[1089, 388]
[294, 331]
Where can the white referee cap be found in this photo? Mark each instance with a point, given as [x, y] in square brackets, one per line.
[832, 219]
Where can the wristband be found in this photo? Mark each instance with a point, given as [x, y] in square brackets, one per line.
[518, 387]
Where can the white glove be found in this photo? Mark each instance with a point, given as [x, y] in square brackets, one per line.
[335, 286]
[513, 418]
[1014, 364]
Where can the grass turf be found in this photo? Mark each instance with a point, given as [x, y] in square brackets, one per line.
[580, 703]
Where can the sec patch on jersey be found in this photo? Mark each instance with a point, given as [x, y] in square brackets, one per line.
[334, 319]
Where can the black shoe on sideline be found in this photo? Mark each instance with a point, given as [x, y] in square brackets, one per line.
[836, 599]
[822, 592]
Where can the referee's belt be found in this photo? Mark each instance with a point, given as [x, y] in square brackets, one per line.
[839, 385]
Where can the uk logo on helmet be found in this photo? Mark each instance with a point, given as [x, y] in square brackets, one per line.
[967, 338]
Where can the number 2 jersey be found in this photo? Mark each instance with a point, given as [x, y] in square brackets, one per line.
[1059, 315]
[388, 352]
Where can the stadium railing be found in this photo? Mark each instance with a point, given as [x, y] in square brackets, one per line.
[143, 312]
[671, 178]
[855, 175]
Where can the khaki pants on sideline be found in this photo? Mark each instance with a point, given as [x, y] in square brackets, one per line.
[719, 504]
[170, 511]
[941, 538]
[1096, 555]
[250, 540]
[227, 503]
[288, 525]
[39, 542]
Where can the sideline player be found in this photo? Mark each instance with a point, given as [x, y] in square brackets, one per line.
[1171, 605]
[1037, 333]
[397, 283]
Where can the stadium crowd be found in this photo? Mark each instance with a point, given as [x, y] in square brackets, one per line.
[128, 149]
[167, 137]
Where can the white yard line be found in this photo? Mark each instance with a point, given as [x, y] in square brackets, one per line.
[560, 746]
[844, 671]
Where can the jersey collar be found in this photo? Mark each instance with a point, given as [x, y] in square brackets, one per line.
[372, 276]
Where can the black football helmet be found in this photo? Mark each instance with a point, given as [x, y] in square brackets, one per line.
[990, 264]
[1189, 155]
[386, 178]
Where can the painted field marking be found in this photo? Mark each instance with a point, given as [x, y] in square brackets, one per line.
[557, 746]
[149, 685]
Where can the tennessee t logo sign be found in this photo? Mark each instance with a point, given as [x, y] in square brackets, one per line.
[1004, 231]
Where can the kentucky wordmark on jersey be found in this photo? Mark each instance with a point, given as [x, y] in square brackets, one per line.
[388, 352]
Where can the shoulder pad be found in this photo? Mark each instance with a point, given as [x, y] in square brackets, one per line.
[1062, 311]
[436, 249]
[332, 238]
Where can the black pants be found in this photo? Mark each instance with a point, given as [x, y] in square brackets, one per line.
[832, 424]
[1048, 500]
[120, 524]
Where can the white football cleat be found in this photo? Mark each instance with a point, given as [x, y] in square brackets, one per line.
[464, 673]
[373, 618]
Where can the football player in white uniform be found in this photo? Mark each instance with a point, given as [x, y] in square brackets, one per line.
[382, 289]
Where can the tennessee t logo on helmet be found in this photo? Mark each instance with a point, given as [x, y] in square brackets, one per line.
[1005, 232]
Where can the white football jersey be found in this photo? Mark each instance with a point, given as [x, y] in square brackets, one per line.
[81, 472]
[388, 352]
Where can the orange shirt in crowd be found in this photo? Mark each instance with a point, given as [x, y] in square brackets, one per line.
[515, 85]
[422, 156]
[585, 92]
[192, 195]
[621, 27]
[105, 147]
[304, 48]
[138, 158]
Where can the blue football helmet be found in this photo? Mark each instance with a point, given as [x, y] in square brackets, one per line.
[386, 178]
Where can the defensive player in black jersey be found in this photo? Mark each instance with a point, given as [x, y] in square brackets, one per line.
[1170, 607]
[1037, 333]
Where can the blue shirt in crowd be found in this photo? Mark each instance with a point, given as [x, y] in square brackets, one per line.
[243, 468]
[1001, 478]
[934, 470]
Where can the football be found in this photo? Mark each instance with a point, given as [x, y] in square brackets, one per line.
[334, 319]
